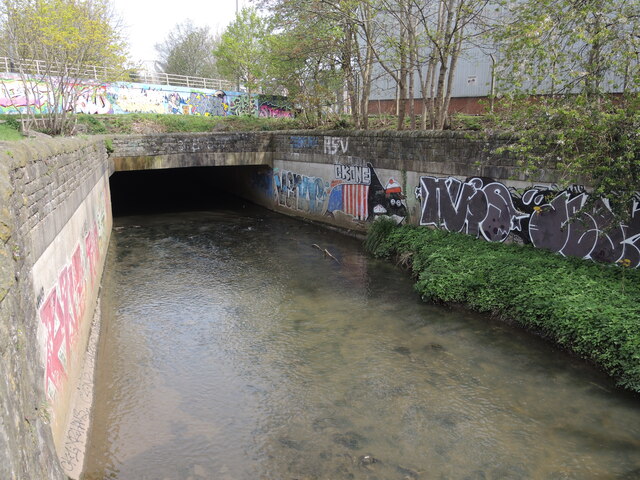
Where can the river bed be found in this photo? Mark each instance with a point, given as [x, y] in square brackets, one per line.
[233, 348]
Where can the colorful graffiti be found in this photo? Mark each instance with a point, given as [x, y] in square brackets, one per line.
[124, 97]
[300, 192]
[63, 308]
[546, 217]
[274, 106]
[354, 190]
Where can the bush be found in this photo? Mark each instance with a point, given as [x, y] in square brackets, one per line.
[590, 309]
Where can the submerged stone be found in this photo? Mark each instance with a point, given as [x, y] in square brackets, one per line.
[351, 440]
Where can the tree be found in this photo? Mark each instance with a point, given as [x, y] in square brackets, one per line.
[188, 50]
[580, 60]
[67, 36]
[309, 55]
[569, 46]
[241, 52]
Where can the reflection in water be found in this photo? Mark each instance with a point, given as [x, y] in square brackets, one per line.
[232, 349]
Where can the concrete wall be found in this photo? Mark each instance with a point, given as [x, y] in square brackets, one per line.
[55, 221]
[177, 150]
[448, 180]
[444, 179]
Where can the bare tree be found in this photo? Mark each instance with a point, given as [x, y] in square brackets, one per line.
[188, 50]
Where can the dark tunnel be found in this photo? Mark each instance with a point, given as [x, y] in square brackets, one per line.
[182, 189]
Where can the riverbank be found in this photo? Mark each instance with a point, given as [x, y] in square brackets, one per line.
[590, 309]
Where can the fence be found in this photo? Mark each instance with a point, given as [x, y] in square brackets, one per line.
[94, 72]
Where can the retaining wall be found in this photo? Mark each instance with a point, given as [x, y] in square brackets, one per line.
[443, 179]
[55, 221]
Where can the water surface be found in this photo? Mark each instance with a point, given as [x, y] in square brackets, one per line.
[232, 348]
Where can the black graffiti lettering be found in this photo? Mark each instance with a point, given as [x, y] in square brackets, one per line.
[353, 174]
[546, 217]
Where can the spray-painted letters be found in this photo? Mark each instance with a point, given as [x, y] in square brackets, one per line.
[125, 97]
[545, 217]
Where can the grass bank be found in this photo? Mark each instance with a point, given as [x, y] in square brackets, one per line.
[592, 310]
[146, 123]
[9, 129]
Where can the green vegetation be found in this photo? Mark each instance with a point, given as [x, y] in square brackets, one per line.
[10, 129]
[66, 36]
[145, 123]
[586, 140]
[590, 309]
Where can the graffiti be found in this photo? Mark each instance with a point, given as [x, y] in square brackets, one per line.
[300, 192]
[62, 309]
[94, 101]
[303, 142]
[357, 191]
[274, 106]
[557, 220]
[124, 97]
[16, 96]
[353, 173]
[354, 191]
[243, 105]
[333, 145]
[271, 112]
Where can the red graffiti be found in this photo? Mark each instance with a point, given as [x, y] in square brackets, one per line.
[51, 315]
[93, 250]
[274, 112]
[64, 308]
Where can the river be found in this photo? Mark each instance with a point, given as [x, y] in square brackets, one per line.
[233, 348]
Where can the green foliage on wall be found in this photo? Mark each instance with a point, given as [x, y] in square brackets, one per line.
[590, 309]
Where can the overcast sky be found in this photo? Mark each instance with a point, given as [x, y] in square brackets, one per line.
[148, 22]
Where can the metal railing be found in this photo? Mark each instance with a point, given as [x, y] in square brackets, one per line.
[97, 72]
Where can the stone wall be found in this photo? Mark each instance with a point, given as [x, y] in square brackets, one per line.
[447, 180]
[176, 150]
[54, 227]
[444, 179]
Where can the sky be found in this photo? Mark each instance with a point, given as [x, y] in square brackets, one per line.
[148, 22]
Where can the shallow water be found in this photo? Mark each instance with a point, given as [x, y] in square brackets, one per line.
[234, 349]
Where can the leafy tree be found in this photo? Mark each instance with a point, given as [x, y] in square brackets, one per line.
[310, 55]
[581, 60]
[569, 46]
[241, 52]
[67, 36]
[188, 50]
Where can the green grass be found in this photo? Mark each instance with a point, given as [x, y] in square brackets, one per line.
[9, 128]
[591, 309]
[157, 123]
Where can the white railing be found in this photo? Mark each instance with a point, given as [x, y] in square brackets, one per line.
[93, 72]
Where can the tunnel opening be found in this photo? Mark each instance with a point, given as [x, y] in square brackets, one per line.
[186, 189]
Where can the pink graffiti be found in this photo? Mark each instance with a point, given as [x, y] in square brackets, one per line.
[91, 243]
[64, 308]
[267, 111]
[51, 315]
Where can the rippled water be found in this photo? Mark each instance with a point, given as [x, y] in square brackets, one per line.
[234, 349]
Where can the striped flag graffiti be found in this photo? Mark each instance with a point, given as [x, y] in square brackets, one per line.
[351, 199]
[354, 200]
